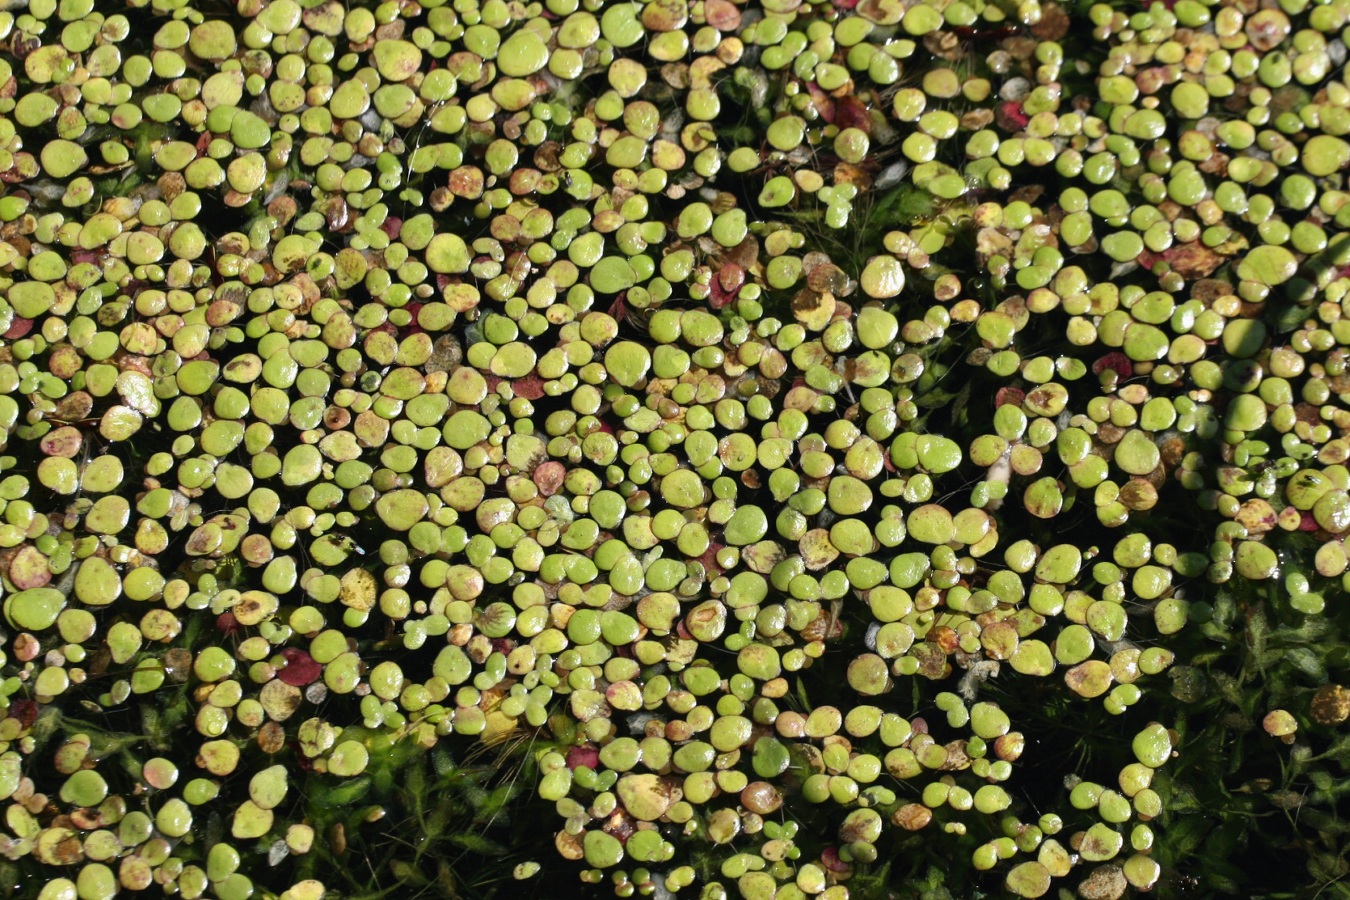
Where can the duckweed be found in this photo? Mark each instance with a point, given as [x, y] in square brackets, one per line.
[693, 405]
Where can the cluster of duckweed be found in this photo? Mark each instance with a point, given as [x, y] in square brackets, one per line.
[756, 414]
